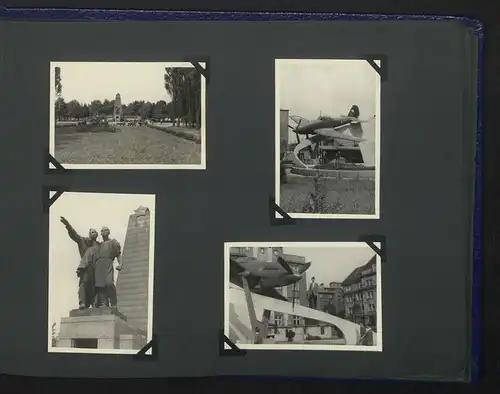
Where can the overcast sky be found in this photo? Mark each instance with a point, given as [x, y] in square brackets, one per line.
[332, 264]
[83, 211]
[310, 87]
[87, 81]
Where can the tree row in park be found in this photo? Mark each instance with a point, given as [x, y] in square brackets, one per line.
[182, 84]
[144, 109]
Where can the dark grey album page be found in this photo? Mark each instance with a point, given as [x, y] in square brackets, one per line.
[170, 144]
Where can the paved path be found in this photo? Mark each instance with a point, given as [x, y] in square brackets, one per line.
[183, 132]
[131, 145]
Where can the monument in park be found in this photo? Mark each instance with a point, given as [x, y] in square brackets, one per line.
[124, 326]
[118, 109]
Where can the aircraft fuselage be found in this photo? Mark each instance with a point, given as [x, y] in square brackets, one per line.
[279, 281]
[322, 123]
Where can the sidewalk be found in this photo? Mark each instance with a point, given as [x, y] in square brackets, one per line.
[182, 132]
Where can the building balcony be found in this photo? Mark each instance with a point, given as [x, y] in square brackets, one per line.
[370, 313]
[368, 272]
[367, 286]
[352, 291]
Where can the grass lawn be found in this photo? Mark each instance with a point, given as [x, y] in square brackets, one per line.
[332, 196]
[130, 145]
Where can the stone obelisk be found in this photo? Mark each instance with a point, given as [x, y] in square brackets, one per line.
[132, 283]
[118, 109]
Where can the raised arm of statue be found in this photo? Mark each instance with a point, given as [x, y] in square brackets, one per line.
[71, 231]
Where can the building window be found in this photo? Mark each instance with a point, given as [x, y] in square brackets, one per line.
[278, 319]
[296, 320]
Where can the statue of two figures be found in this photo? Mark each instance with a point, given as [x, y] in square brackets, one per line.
[96, 287]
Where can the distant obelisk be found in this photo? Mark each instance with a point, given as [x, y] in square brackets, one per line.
[118, 109]
[132, 284]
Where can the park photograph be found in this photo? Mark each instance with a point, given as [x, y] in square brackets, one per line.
[127, 115]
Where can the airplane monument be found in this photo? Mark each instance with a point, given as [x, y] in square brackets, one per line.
[330, 144]
[253, 296]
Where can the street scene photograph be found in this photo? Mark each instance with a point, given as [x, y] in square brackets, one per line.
[120, 115]
[101, 270]
[327, 138]
[303, 296]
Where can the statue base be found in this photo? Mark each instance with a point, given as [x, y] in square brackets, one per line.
[98, 328]
[312, 172]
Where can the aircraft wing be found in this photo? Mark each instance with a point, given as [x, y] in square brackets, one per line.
[303, 268]
[254, 263]
[234, 267]
[338, 134]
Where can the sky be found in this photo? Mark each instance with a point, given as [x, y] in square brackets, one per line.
[87, 81]
[310, 87]
[83, 211]
[332, 264]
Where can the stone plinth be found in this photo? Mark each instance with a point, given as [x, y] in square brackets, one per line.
[101, 328]
[97, 312]
[335, 174]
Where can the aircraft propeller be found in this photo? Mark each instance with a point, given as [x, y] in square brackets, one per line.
[285, 265]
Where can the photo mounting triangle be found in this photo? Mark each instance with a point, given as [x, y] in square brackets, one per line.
[377, 244]
[277, 215]
[379, 64]
[149, 352]
[202, 66]
[228, 347]
[50, 196]
[53, 165]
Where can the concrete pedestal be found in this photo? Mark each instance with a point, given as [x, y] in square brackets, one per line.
[98, 328]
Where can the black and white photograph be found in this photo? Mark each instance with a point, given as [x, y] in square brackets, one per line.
[101, 269]
[128, 115]
[303, 296]
[327, 138]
